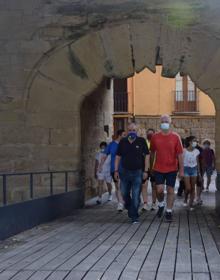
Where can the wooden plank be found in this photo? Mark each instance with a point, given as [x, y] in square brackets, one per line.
[101, 250]
[168, 260]
[82, 254]
[117, 249]
[40, 275]
[7, 274]
[215, 275]
[115, 270]
[183, 261]
[57, 275]
[107, 259]
[26, 274]
[153, 258]
[211, 250]
[201, 276]
[183, 276]
[199, 263]
[28, 257]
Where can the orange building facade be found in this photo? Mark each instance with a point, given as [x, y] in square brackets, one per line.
[146, 96]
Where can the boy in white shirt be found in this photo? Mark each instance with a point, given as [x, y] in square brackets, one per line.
[103, 174]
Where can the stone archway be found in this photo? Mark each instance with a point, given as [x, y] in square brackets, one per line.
[81, 42]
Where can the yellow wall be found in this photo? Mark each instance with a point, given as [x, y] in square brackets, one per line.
[151, 94]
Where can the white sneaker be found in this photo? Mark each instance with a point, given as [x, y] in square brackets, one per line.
[185, 204]
[146, 207]
[153, 206]
[120, 207]
[110, 197]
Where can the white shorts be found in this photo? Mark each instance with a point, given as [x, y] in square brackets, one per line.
[104, 176]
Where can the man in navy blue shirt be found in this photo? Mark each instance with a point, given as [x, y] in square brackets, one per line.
[131, 151]
[111, 150]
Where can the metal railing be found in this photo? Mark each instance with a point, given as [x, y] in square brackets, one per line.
[185, 102]
[120, 102]
[31, 176]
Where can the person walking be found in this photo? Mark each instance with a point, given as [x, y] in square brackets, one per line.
[131, 151]
[103, 175]
[150, 177]
[167, 149]
[112, 150]
[208, 162]
[191, 169]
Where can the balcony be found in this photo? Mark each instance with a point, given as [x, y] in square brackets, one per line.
[120, 102]
[185, 102]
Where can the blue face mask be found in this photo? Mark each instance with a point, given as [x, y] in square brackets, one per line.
[165, 126]
[132, 135]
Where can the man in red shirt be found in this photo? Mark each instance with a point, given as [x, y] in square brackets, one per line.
[167, 149]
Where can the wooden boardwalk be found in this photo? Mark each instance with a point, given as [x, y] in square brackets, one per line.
[98, 243]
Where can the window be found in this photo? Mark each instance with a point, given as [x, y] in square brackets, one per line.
[120, 96]
[185, 95]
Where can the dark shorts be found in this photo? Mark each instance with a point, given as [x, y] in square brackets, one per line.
[209, 171]
[150, 178]
[165, 178]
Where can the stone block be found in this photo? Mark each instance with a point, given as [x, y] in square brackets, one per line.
[145, 39]
[70, 73]
[93, 61]
[51, 95]
[54, 119]
[118, 50]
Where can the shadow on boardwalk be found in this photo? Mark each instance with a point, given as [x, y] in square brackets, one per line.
[98, 243]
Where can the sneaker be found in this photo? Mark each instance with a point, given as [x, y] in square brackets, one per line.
[169, 217]
[134, 222]
[120, 207]
[110, 197]
[184, 204]
[98, 201]
[153, 206]
[191, 208]
[160, 211]
[145, 207]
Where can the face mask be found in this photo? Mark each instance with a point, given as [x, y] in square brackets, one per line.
[102, 150]
[132, 135]
[206, 146]
[165, 126]
[194, 144]
[149, 136]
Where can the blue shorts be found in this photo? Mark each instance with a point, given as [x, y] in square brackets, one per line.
[190, 171]
[168, 178]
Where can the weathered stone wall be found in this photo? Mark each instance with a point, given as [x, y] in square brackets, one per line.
[96, 112]
[201, 127]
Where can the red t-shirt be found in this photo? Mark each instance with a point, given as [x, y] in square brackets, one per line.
[167, 147]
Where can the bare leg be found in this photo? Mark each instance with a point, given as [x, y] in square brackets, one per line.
[170, 197]
[192, 190]
[144, 192]
[160, 193]
[100, 188]
[154, 193]
[118, 192]
[187, 188]
[208, 181]
[109, 187]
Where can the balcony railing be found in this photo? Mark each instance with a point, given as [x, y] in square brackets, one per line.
[120, 102]
[185, 102]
